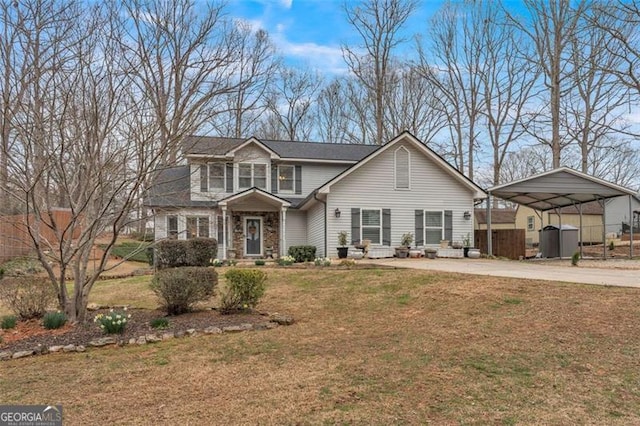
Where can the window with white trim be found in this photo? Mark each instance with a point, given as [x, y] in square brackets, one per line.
[402, 172]
[286, 178]
[531, 223]
[371, 225]
[172, 227]
[433, 227]
[252, 174]
[197, 226]
[216, 176]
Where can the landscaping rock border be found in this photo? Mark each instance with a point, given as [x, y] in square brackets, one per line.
[275, 320]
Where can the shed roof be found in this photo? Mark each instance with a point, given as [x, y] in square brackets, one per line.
[497, 216]
[557, 188]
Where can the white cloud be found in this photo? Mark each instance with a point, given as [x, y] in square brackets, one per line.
[286, 3]
[324, 58]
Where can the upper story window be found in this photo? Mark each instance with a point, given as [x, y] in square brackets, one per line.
[216, 176]
[212, 177]
[531, 223]
[286, 178]
[402, 166]
[252, 174]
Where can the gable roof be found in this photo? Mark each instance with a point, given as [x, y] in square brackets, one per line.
[428, 152]
[254, 191]
[556, 188]
[208, 146]
[497, 216]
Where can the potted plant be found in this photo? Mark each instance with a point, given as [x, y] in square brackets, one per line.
[343, 250]
[405, 243]
[466, 244]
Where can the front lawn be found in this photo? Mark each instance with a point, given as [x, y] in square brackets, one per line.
[369, 347]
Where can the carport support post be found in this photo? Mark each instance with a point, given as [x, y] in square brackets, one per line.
[560, 245]
[630, 227]
[489, 242]
[604, 230]
[581, 240]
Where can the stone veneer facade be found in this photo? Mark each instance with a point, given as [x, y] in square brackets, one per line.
[270, 232]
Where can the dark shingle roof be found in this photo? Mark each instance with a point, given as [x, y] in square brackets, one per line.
[592, 207]
[207, 145]
[171, 188]
[497, 216]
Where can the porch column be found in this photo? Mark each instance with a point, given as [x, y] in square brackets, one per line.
[283, 232]
[224, 233]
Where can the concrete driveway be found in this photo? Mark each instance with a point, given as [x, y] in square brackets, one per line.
[525, 269]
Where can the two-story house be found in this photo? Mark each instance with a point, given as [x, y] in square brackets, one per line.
[259, 196]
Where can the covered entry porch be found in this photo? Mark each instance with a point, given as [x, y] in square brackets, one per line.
[254, 224]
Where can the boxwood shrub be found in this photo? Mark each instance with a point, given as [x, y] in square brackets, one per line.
[193, 252]
[303, 253]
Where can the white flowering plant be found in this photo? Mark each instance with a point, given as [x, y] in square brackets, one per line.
[114, 322]
[286, 260]
[322, 261]
[217, 262]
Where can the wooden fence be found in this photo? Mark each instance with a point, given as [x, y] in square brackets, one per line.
[15, 240]
[509, 243]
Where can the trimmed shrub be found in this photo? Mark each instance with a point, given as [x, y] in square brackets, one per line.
[200, 251]
[180, 288]
[54, 320]
[260, 262]
[193, 252]
[303, 253]
[8, 322]
[244, 289]
[27, 296]
[171, 254]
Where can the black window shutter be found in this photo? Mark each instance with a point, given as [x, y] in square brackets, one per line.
[298, 181]
[419, 228]
[355, 226]
[204, 178]
[274, 179]
[229, 177]
[448, 225]
[219, 235]
[386, 227]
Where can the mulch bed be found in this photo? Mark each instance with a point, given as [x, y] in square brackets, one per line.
[28, 335]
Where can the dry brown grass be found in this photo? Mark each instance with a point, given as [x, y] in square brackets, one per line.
[371, 347]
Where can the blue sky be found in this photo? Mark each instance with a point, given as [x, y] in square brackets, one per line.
[311, 31]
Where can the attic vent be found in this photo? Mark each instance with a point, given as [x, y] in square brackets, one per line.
[402, 171]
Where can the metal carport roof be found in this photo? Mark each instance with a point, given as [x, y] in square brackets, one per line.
[557, 188]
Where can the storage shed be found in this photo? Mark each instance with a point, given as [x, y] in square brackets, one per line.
[558, 241]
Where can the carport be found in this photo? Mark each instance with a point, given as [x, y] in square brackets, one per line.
[561, 187]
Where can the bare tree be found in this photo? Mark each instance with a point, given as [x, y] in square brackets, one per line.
[413, 105]
[110, 93]
[551, 27]
[331, 112]
[289, 104]
[378, 23]
[595, 108]
[255, 73]
[507, 82]
[452, 63]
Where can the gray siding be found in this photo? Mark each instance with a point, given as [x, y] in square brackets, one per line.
[316, 175]
[617, 211]
[296, 231]
[372, 186]
[315, 228]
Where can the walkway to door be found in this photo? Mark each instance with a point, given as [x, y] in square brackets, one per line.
[528, 270]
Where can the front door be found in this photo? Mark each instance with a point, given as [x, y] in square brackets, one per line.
[253, 236]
